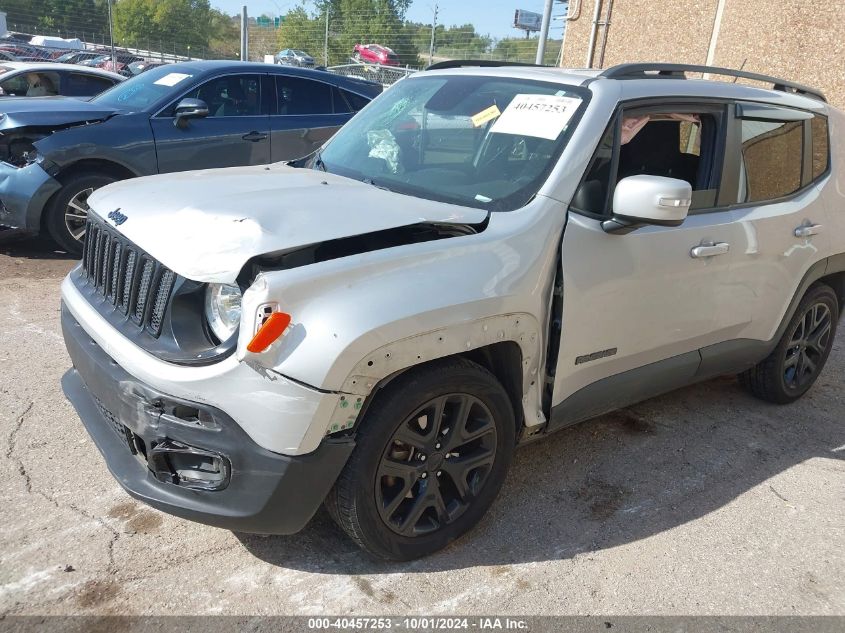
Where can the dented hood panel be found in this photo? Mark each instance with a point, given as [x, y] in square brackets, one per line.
[49, 111]
[205, 225]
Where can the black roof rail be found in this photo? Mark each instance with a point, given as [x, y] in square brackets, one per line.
[485, 63]
[677, 71]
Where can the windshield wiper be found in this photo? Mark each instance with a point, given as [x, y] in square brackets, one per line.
[369, 181]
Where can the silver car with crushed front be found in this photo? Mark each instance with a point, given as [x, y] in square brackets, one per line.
[481, 256]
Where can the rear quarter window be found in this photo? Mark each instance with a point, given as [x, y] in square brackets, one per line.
[821, 145]
[356, 101]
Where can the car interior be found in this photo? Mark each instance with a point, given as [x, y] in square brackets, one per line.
[672, 145]
[231, 96]
[45, 84]
[440, 146]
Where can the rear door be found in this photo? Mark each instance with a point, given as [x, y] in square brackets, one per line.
[637, 307]
[307, 112]
[778, 160]
[236, 131]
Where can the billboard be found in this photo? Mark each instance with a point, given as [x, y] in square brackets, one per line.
[527, 20]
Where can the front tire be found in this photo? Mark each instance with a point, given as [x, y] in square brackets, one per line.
[795, 364]
[431, 456]
[67, 212]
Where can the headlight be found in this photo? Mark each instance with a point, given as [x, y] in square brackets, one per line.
[223, 309]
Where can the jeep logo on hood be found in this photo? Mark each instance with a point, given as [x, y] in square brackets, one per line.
[117, 217]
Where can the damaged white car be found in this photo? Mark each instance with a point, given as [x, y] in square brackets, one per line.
[482, 256]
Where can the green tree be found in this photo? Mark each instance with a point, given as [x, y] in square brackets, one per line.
[170, 24]
[64, 18]
[224, 37]
[301, 31]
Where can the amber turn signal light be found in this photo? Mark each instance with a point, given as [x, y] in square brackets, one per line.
[273, 328]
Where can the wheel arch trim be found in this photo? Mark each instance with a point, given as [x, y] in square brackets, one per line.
[382, 365]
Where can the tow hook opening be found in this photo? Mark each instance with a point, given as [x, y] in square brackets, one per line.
[188, 466]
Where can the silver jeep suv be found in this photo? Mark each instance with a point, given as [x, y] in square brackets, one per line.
[484, 255]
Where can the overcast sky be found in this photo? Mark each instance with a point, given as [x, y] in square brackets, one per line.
[489, 16]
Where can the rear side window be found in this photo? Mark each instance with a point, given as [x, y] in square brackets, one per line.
[303, 96]
[771, 159]
[818, 128]
[79, 85]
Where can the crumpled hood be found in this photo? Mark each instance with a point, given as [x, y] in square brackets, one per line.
[205, 225]
[37, 111]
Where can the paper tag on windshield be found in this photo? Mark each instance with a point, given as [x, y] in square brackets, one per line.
[543, 116]
[485, 115]
[171, 79]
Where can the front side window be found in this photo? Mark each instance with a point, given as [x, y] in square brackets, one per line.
[484, 142]
[771, 154]
[32, 84]
[672, 143]
[231, 95]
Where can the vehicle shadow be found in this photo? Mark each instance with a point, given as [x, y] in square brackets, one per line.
[611, 481]
[14, 244]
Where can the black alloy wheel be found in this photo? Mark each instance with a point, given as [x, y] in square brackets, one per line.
[808, 346]
[789, 371]
[431, 454]
[435, 464]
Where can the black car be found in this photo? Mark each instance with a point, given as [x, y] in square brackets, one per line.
[196, 115]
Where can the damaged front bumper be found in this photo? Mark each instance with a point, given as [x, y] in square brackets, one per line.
[24, 192]
[188, 458]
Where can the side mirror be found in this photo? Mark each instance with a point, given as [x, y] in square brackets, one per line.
[190, 109]
[639, 200]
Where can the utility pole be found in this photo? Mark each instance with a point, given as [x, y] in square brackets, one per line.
[431, 46]
[544, 32]
[244, 35]
[326, 40]
[111, 38]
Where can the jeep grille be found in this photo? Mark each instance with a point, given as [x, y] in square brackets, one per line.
[128, 279]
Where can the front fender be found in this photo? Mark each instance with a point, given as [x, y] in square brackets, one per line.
[124, 140]
[357, 320]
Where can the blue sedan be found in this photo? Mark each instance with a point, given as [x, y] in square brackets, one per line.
[195, 115]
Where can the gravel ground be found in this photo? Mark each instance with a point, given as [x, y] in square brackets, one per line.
[704, 501]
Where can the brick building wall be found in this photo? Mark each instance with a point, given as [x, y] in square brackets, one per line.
[802, 40]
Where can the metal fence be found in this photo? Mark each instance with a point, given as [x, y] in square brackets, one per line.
[385, 75]
[146, 54]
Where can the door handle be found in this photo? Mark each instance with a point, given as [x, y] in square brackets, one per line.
[710, 250]
[254, 136]
[807, 230]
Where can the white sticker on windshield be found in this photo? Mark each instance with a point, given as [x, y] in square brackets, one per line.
[171, 79]
[543, 116]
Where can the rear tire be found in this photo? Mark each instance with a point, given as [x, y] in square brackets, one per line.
[795, 364]
[431, 455]
[68, 210]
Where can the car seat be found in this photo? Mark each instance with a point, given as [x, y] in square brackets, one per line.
[656, 150]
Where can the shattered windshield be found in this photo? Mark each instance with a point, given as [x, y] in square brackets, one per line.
[486, 142]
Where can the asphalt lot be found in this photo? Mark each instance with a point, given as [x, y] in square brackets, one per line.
[705, 501]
